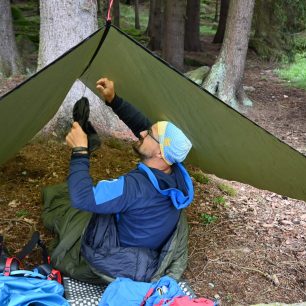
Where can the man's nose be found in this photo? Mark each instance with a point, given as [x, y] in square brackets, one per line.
[143, 134]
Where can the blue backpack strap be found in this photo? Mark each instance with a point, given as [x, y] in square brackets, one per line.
[27, 273]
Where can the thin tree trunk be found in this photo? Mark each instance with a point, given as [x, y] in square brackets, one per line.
[104, 8]
[99, 7]
[173, 32]
[225, 77]
[137, 23]
[216, 11]
[270, 41]
[10, 62]
[150, 19]
[155, 25]
[116, 12]
[218, 39]
[63, 25]
[192, 26]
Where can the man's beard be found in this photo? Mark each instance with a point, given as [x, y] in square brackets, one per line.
[136, 147]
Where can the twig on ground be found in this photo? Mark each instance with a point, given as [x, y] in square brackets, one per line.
[204, 267]
[302, 291]
[290, 279]
[199, 251]
[18, 220]
[272, 277]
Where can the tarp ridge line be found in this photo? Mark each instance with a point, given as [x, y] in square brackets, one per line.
[107, 27]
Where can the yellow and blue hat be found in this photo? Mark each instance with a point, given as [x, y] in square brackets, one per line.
[174, 144]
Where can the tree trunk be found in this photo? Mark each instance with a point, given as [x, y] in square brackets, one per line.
[137, 23]
[10, 62]
[155, 25]
[99, 7]
[104, 8]
[218, 39]
[225, 77]
[116, 12]
[271, 40]
[64, 24]
[192, 26]
[150, 20]
[216, 11]
[173, 32]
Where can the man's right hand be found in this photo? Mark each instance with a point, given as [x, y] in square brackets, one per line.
[106, 89]
[76, 137]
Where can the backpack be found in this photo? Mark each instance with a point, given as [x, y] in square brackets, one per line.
[22, 287]
[164, 292]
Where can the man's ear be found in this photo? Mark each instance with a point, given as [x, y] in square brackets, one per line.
[159, 154]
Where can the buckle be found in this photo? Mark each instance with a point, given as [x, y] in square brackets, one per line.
[7, 271]
[51, 276]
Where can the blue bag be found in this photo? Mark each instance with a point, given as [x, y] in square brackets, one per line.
[20, 287]
[31, 288]
[124, 291]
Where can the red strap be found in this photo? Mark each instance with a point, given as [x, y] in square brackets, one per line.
[55, 275]
[8, 264]
[149, 293]
[109, 18]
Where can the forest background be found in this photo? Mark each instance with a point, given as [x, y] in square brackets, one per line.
[246, 246]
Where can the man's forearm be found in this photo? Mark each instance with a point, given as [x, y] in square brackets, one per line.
[130, 115]
[80, 184]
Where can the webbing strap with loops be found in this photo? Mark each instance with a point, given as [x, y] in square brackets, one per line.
[109, 18]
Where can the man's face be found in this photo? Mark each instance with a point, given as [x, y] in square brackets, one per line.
[148, 145]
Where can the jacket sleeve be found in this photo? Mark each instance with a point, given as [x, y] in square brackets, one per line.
[130, 115]
[107, 197]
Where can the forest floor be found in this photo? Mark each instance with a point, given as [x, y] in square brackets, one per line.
[247, 246]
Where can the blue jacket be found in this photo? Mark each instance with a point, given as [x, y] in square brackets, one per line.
[147, 201]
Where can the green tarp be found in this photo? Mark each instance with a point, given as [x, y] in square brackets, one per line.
[224, 142]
